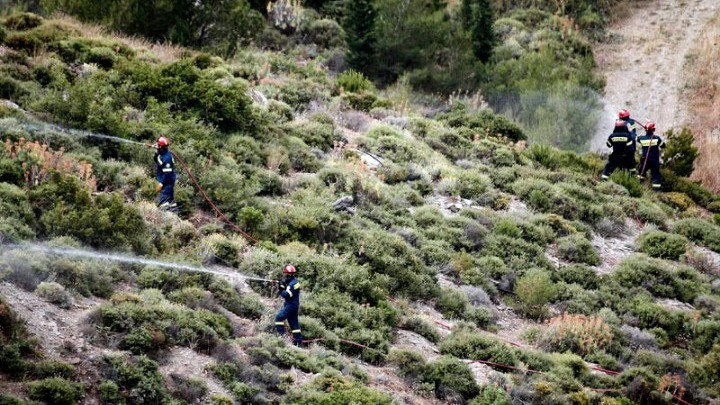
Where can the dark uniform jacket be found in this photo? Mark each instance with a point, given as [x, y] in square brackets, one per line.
[291, 293]
[621, 141]
[651, 145]
[165, 170]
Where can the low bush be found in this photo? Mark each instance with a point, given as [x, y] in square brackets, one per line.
[450, 378]
[132, 380]
[154, 325]
[325, 33]
[699, 231]
[421, 327]
[659, 278]
[55, 293]
[534, 291]
[55, 391]
[629, 181]
[576, 333]
[411, 365]
[469, 344]
[492, 395]
[575, 248]
[352, 81]
[331, 390]
[22, 21]
[452, 302]
[579, 274]
[662, 245]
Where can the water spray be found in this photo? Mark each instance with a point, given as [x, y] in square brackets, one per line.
[45, 127]
[72, 252]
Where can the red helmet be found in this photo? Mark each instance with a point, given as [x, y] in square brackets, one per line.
[289, 269]
[650, 126]
[620, 123]
[624, 114]
[162, 142]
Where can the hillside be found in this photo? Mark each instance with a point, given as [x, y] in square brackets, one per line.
[445, 255]
[646, 63]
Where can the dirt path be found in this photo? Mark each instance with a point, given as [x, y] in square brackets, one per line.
[644, 63]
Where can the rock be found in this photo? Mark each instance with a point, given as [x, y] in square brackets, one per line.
[9, 104]
[344, 204]
[259, 98]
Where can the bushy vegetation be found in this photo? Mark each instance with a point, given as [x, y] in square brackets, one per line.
[396, 206]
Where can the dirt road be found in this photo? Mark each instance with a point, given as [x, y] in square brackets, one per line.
[644, 62]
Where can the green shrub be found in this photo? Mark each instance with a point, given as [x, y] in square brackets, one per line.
[545, 155]
[422, 328]
[325, 33]
[132, 380]
[629, 181]
[55, 391]
[452, 302]
[517, 254]
[641, 386]
[681, 152]
[158, 324]
[55, 293]
[649, 212]
[659, 278]
[329, 390]
[662, 245]
[22, 21]
[575, 248]
[352, 81]
[101, 222]
[534, 291]
[450, 377]
[699, 231]
[469, 344]
[579, 274]
[492, 395]
[411, 365]
[707, 334]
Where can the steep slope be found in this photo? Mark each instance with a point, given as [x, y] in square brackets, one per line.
[644, 62]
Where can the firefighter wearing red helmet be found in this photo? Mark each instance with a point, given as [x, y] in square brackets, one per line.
[632, 126]
[289, 289]
[650, 159]
[165, 174]
[622, 156]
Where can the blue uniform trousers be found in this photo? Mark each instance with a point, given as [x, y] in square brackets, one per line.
[291, 313]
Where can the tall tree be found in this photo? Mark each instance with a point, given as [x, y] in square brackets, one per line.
[477, 17]
[359, 24]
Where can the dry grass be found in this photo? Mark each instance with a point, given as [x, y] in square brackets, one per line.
[704, 95]
[160, 52]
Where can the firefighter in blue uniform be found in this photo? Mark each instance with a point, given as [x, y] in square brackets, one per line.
[621, 142]
[289, 289]
[632, 126]
[165, 173]
[650, 160]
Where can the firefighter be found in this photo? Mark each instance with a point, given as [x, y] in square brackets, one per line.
[289, 289]
[650, 160]
[165, 173]
[620, 141]
[632, 126]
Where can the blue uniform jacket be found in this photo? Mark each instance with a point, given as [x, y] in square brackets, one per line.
[632, 126]
[291, 293]
[621, 141]
[651, 144]
[165, 171]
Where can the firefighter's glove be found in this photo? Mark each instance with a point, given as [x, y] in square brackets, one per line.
[158, 187]
[281, 287]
